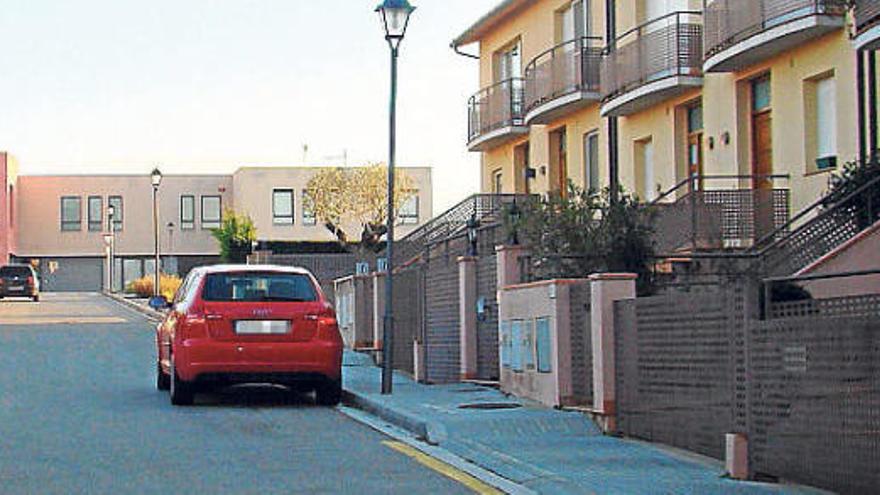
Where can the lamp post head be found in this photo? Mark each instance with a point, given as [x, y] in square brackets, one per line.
[395, 18]
[156, 178]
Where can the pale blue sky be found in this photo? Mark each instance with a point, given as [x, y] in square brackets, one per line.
[208, 85]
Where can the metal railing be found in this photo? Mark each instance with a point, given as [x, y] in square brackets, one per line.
[729, 22]
[485, 208]
[818, 230]
[669, 46]
[867, 14]
[694, 216]
[564, 69]
[495, 107]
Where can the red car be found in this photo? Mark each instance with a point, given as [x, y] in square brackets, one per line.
[249, 324]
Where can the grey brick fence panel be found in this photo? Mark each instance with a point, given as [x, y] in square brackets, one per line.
[581, 344]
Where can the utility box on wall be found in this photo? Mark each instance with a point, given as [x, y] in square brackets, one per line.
[535, 341]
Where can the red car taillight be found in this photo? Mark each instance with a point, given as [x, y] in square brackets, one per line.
[30, 281]
[328, 329]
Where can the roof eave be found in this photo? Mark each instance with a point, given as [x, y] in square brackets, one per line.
[484, 24]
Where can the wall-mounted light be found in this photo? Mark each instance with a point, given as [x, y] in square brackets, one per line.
[711, 143]
[725, 138]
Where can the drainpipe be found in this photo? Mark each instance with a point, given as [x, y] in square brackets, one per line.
[860, 110]
[872, 104]
[613, 167]
[458, 51]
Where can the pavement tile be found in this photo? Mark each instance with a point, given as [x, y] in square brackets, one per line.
[547, 450]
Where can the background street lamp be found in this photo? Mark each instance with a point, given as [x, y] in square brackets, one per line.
[111, 229]
[395, 18]
[156, 180]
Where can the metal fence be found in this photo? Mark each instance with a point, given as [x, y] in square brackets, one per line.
[731, 21]
[803, 384]
[562, 70]
[676, 368]
[581, 344]
[669, 46]
[814, 380]
[495, 107]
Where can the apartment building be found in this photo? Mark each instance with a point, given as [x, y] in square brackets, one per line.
[650, 93]
[62, 221]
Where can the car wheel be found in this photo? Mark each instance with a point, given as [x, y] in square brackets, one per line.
[163, 380]
[181, 391]
[36, 298]
[328, 393]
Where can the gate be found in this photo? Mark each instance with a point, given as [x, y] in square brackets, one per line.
[442, 347]
[487, 297]
[408, 308]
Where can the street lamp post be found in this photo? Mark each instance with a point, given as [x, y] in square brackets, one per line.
[111, 214]
[156, 180]
[395, 18]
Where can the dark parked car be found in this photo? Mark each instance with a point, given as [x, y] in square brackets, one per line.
[19, 281]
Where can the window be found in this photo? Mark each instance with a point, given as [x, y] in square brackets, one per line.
[409, 211]
[543, 344]
[187, 212]
[308, 210]
[508, 62]
[497, 184]
[282, 206]
[761, 94]
[96, 213]
[591, 160]
[211, 212]
[116, 203]
[645, 162]
[572, 21]
[258, 286]
[826, 124]
[71, 213]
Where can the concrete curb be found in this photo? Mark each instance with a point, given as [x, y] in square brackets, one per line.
[151, 314]
[414, 425]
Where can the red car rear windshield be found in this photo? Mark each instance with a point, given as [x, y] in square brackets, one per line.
[259, 286]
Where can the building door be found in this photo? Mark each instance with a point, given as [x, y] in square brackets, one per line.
[521, 163]
[695, 145]
[762, 156]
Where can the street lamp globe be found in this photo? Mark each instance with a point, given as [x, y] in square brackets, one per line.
[395, 17]
[156, 177]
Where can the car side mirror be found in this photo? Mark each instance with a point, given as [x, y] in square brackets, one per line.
[159, 303]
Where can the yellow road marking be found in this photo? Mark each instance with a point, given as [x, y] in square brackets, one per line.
[38, 320]
[441, 467]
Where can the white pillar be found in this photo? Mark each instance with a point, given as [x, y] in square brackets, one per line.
[606, 288]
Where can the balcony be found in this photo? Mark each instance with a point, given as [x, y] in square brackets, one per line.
[652, 63]
[867, 15]
[740, 34]
[495, 115]
[563, 79]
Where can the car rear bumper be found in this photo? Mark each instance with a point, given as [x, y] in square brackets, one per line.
[287, 362]
[23, 292]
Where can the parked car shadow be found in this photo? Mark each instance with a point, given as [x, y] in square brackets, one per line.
[257, 395]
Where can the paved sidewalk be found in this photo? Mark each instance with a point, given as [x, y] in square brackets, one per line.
[546, 450]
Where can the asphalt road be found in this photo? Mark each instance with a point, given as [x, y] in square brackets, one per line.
[79, 413]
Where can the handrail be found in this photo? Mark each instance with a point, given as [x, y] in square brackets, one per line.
[613, 46]
[552, 49]
[697, 178]
[867, 14]
[493, 86]
[823, 214]
[496, 106]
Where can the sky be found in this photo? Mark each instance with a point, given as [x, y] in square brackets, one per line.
[206, 86]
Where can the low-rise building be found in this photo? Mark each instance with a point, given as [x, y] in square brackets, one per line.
[61, 222]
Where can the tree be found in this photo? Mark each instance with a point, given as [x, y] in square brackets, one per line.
[235, 235]
[585, 232]
[342, 197]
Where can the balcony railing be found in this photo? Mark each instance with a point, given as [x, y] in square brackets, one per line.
[668, 47]
[494, 108]
[570, 68]
[730, 22]
[867, 16]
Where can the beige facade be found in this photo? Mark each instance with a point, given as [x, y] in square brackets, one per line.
[188, 208]
[669, 60]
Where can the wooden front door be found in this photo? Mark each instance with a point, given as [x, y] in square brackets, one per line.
[762, 157]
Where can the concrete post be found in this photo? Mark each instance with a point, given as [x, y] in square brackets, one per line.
[606, 288]
[737, 458]
[420, 372]
[467, 315]
[378, 308]
[508, 264]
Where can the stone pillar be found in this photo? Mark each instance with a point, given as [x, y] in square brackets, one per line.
[737, 458]
[420, 373]
[378, 309]
[467, 315]
[508, 264]
[606, 288]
